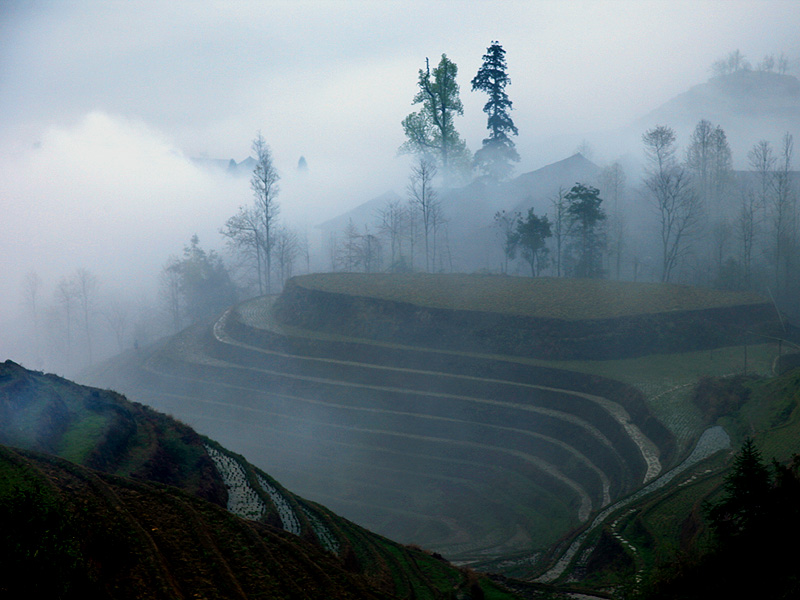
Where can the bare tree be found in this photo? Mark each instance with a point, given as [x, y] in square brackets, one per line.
[560, 226]
[735, 61]
[762, 162]
[721, 234]
[783, 64]
[505, 224]
[784, 214]
[423, 199]
[347, 256]
[677, 205]
[170, 292]
[304, 247]
[721, 165]
[117, 316]
[85, 286]
[333, 248]
[699, 158]
[245, 239]
[613, 184]
[393, 223]
[369, 255]
[264, 184]
[30, 297]
[767, 63]
[747, 224]
[287, 248]
[359, 252]
[65, 299]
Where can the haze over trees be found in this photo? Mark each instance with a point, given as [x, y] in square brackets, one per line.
[672, 193]
[692, 219]
[199, 285]
[251, 232]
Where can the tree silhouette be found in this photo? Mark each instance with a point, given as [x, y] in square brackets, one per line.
[743, 509]
[585, 216]
[498, 151]
[530, 236]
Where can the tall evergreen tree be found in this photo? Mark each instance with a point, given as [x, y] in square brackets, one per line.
[743, 509]
[498, 151]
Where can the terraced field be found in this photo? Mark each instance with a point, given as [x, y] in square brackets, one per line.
[473, 457]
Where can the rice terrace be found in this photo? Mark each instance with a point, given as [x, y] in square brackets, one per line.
[395, 301]
[482, 417]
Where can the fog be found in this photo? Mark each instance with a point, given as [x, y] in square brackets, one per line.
[104, 106]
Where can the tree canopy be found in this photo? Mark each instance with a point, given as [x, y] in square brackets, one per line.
[431, 130]
[585, 216]
[203, 282]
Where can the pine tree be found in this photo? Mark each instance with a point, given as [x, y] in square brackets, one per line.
[743, 509]
[498, 151]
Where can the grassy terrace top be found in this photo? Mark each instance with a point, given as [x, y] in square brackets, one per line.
[569, 299]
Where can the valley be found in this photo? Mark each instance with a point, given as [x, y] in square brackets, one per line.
[477, 456]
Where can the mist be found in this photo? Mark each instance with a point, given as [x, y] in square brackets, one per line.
[106, 107]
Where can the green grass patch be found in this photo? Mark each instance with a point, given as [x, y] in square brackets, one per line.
[568, 299]
[82, 437]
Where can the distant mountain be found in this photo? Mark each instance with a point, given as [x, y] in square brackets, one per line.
[748, 105]
[743, 95]
[241, 169]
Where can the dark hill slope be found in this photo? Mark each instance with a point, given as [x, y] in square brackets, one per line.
[102, 430]
[70, 532]
[162, 534]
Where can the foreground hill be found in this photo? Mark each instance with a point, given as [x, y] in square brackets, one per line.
[72, 531]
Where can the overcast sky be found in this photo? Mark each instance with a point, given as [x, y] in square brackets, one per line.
[101, 103]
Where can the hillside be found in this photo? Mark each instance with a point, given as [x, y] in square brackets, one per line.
[70, 532]
[749, 105]
[105, 535]
[513, 463]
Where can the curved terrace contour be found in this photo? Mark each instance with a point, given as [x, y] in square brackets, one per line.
[469, 454]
